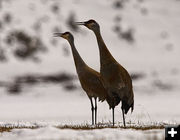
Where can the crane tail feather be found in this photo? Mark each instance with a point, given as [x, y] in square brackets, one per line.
[126, 107]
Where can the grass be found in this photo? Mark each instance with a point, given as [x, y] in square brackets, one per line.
[99, 126]
[8, 129]
[142, 127]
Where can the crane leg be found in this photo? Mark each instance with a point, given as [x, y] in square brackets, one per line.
[113, 115]
[123, 118]
[92, 109]
[95, 110]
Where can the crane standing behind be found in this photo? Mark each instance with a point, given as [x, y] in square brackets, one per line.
[116, 79]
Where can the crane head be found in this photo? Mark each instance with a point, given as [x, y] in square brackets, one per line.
[67, 35]
[90, 24]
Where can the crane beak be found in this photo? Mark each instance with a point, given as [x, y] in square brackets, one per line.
[80, 23]
[57, 34]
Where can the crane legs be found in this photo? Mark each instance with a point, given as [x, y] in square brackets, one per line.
[94, 109]
[113, 115]
[123, 118]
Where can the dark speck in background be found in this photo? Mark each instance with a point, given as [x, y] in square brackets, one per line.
[57, 78]
[144, 11]
[117, 29]
[28, 79]
[65, 50]
[118, 19]
[37, 27]
[9, 40]
[70, 22]
[118, 4]
[14, 88]
[0, 5]
[127, 35]
[1, 25]
[164, 35]
[137, 76]
[32, 6]
[70, 87]
[55, 8]
[169, 46]
[162, 85]
[140, 1]
[7, 18]
[44, 1]
[3, 57]
[36, 59]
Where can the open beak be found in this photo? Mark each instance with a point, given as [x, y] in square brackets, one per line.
[57, 34]
[80, 23]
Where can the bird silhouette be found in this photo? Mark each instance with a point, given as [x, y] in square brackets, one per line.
[91, 80]
[116, 79]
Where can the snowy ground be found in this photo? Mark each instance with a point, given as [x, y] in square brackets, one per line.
[154, 54]
[51, 109]
[75, 107]
[105, 134]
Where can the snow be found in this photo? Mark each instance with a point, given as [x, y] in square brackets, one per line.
[50, 111]
[49, 105]
[53, 133]
[71, 107]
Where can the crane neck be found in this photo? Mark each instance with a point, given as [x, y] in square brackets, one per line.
[105, 55]
[79, 63]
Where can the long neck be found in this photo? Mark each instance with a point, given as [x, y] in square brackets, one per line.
[105, 55]
[79, 63]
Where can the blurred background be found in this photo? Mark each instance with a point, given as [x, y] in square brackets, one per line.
[38, 79]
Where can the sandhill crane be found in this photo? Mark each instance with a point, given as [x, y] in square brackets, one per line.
[90, 79]
[116, 79]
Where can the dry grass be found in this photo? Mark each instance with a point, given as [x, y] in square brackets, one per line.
[90, 127]
[8, 129]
